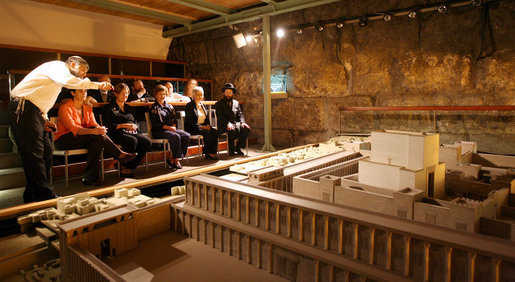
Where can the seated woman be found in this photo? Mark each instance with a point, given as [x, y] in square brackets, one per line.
[164, 126]
[197, 123]
[77, 129]
[122, 128]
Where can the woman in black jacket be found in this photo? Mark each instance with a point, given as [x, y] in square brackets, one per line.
[121, 125]
[197, 123]
[164, 125]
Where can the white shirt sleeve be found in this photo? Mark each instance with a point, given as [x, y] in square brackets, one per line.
[63, 77]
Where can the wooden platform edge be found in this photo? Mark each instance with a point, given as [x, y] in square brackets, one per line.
[27, 208]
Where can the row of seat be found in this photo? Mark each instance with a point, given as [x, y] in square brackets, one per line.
[164, 142]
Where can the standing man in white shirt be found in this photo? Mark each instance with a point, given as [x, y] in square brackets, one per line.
[30, 102]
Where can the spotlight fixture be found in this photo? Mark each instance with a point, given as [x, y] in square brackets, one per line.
[280, 33]
[339, 24]
[320, 27]
[442, 9]
[387, 17]
[299, 30]
[239, 40]
[412, 14]
[477, 3]
[363, 21]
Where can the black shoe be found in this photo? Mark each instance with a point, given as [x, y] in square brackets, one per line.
[239, 152]
[90, 183]
[177, 165]
[127, 157]
[232, 153]
[126, 175]
[169, 163]
[208, 157]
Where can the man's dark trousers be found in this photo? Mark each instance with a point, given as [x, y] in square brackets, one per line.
[35, 148]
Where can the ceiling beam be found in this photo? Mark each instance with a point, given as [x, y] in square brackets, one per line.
[205, 6]
[245, 16]
[138, 11]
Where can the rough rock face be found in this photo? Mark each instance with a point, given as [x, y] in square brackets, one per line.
[463, 57]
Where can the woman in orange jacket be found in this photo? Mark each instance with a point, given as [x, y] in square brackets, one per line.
[78, 129]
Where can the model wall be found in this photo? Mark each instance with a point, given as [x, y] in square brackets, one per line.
[121, 235]
[436, 59]
[32, 24]
[152, 220]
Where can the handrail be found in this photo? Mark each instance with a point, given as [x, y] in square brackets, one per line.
[430, 108]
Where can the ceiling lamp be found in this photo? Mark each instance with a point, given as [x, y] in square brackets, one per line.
[477, 3]
[239, 40]
[387, 17]
[280, 33]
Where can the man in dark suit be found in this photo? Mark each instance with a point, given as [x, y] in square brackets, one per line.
[140, 93]
[231, 120]
[101, 96]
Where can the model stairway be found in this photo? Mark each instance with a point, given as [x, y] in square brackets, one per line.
[11, 171]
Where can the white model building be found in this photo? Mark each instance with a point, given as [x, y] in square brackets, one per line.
[400, 160]
[80, 204]
[403, 177]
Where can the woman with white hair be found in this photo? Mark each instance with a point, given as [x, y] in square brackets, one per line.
[197, 123]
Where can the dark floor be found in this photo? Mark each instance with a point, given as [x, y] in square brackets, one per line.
[169, 255]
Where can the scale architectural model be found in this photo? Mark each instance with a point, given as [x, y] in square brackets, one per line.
[379, 214]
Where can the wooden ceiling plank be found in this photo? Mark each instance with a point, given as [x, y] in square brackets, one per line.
[139, 11]
[205, 6]
[160, 9]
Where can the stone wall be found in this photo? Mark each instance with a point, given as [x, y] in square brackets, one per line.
[463, 57]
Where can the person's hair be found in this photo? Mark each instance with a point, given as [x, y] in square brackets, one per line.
[158, 89]
[198, 89]
[136, 80]
[77, 60]
[120, 87]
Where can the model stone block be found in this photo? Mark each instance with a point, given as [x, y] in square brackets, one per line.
[133, 192]
[380, 175]
[396, 203]
[450, 155]
[411, 150]
[468, 146]
[404, 160]
[264, 174]
[461, 214]
[287, 159]
[114, 202]
[177, 190]
[120, 193]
